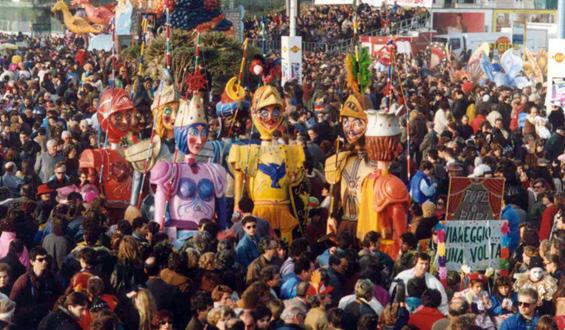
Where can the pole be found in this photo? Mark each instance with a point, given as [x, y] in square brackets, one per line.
[561, 18]
[292, 16]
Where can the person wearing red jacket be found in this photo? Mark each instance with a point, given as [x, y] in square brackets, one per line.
[548, 215]
[428, 313]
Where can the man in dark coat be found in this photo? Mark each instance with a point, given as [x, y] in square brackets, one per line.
[35, 292]
[555, 145]
[459, 106]
[66, 317]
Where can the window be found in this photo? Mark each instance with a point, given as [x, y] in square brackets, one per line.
[455, 43]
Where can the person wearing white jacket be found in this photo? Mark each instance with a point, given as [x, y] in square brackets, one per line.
[441, 120]
[421, 268]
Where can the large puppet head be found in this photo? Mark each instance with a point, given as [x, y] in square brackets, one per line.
[383, 135]
[267, 109]
[116, 113]
[164, 107]
[191, 126]
[353, 119]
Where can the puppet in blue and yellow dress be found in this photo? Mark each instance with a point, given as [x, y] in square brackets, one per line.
[269, 171]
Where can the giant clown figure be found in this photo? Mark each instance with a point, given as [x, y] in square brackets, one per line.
[384, 197]
[190, 191]
[107, 167]
[347, 169]
[267, 172]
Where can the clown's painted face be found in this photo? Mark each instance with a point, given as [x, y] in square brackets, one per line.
[197, 135]
[122, 121]
[353, 128]
[536, 274]
[268, 119]
[169, 115]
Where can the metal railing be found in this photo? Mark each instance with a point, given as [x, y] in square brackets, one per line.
[415, 23]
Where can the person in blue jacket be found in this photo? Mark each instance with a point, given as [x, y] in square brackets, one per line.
[247, 248]
[421, 186]
[526, 317]
[503, 300]
[509, 214]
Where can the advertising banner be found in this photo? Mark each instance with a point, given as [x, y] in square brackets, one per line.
[556, 72]
[474, 198]
[291, 58]
[505, 18]
[378, 3]
[476, 243]
[333, 2]
[377, 45]
[411, 3]
[101, 42]
[451, 23]
[518, 35]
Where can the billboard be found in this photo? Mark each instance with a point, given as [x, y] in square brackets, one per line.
[378, 3]
[504, 18]
[556, 72]
[411, 3]
[459, 22]
[333, 2]
[376, 45]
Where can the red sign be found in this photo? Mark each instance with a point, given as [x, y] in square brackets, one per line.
[474, 198]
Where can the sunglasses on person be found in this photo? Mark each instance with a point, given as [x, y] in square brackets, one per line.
[251, 227]
[166, 322]
[524, 304]
[39, 259]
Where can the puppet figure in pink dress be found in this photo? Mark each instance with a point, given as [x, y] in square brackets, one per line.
[190, 191]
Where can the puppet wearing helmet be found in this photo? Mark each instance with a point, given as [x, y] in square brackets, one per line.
[347, 169]
[116, 114]
[268, 172]
[107, 168]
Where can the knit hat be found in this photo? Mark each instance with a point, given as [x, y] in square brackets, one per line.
[428, 209]
[535, 262]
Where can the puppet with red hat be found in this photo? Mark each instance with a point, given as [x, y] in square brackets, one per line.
[107, 167]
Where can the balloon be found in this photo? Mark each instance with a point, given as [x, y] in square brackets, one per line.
[487, 67]
[502, 79]
[511, 63]
[496, 67]
[522, 82]
[257, 70]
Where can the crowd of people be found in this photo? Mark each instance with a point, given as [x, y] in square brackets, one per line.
[67, 263]
[329, 23]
